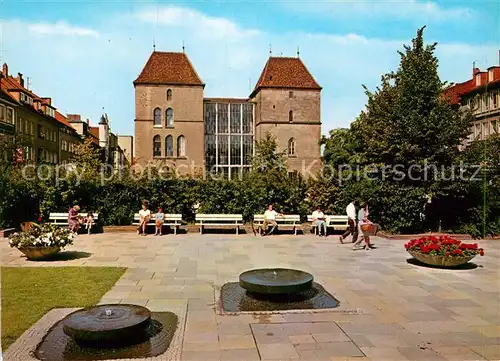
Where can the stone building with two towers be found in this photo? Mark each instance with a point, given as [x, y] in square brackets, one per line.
[175, 125]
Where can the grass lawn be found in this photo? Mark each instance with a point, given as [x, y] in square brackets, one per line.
[29, 293]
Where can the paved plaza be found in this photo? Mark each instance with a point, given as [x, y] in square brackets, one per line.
[390, 309]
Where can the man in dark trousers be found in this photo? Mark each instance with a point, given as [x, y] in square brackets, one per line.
[353, 223]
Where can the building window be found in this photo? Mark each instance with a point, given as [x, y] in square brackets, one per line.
[290, 94]
[169, 94]
[290, 116]
[181, 146]
[169, 146]
[156, 146]
[2, 112]
[170, 117]
[10, 115]
[291, 147]
[157, 117]
[494, 100]
[486, 102]
[494, 126]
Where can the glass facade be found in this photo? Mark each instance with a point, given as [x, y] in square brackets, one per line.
[229, 138]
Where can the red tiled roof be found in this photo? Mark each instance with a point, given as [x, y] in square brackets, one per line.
[9, 83]
[281, 72]
[168, 68]
[62, 119]
[94, 131]
[457, 91]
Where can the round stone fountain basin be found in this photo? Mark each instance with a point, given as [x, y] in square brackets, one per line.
[276, 281]
[114, 323]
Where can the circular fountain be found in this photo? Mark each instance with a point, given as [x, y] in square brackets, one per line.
[276, 281]
[124, 324]
[105, 332]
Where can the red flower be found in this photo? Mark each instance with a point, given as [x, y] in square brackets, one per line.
[39, 219]
[481, 252]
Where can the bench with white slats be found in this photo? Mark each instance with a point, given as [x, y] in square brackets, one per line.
[171, 220]
[338, 223]
[284, 221]
[219, 220]
[62, 218]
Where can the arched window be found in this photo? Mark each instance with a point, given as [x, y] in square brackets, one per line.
[291, 147]
[170, 117]
[156, 146]
[169, 94]
[290, 116]
[181, 146]
[169, 146]
[157, 117]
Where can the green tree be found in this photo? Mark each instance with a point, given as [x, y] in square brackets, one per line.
[407, 125]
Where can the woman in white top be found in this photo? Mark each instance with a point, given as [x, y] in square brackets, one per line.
[145, 215]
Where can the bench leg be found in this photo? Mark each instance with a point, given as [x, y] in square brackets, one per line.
[201, 229]
[295, 231]
[237, 229]
[175, 229]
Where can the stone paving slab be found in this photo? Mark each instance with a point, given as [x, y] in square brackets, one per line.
[389, 309]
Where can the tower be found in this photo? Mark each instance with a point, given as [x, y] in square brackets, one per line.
[288, 105]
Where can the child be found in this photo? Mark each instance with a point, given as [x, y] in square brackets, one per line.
[159, 222]
[89, 221]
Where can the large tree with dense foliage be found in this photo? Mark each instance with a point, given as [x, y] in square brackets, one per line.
[406, 125]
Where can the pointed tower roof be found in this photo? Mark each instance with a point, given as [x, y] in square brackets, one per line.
[168, 68]
[286, 73]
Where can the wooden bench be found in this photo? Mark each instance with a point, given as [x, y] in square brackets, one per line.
[338, 223]
[61, 219]
[172, 220]
[285, 221]
[219, 220]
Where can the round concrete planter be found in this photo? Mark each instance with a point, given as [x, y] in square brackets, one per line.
[440, 261]
[39, 253]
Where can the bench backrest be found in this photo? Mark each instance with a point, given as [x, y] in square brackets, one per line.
[338, 220]
[166, 217]
[64, 216]
[283, 219]
[219, 217]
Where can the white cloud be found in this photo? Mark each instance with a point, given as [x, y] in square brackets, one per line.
[175, 16]
[409, 9]
[61, 28]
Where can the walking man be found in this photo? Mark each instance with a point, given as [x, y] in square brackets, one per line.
[353, 223]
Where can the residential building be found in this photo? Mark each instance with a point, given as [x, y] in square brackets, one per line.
[177, 127]
[480, 94]
[126, 143]
[102, 137]
[38, 128]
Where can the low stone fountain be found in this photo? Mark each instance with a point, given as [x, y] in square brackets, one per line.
[275, 289]
[114, 331]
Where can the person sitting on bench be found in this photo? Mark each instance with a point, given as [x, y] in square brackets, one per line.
[270, 219]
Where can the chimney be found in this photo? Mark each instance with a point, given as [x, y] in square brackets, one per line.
[475, 71]
[74, 117]
[47, 100]
[88, 121]
[20, 79]
[5, 70]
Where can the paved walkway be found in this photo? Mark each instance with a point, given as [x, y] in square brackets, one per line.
[404, 312]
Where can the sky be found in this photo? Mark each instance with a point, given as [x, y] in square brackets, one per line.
[86, 54]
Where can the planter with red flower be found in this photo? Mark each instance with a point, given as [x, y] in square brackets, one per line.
[442, 251]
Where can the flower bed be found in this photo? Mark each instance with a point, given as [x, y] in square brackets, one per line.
[41, 241]
[442, 251]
